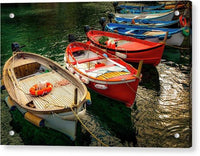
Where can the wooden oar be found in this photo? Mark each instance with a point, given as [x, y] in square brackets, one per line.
[76, 98]
[139, 69]
[165, 38]
[21, 97]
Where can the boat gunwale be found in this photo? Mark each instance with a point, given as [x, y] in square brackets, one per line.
[112, 26]
[153, 11]
[157, 45]
[156, 24]
[96, 80]
[49, 111]
[151, 18]
[151, 7]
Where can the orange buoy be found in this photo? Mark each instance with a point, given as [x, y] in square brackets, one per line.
[34, 90]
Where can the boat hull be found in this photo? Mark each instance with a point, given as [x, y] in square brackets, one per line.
[179, 6]
[116, 79]
[175, 36]
[64, 122]
[140, 11]
[139, 7]
[175, 39]
[55, 110]
[146, 23]
[152, 56]
[124, 92]
[159, 17]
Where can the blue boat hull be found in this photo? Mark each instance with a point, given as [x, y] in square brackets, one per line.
[168, 16]
[139, 7]
[146, 22]
[175, 35]
[140, 11]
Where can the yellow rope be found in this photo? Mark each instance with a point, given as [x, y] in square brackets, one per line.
[88, 129]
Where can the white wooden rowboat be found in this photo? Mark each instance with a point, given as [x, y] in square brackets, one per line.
[54, 109]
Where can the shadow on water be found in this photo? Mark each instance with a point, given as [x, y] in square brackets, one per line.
[172, 57]
[172, 54]
[114, 117]
[181, 58]
[150, 77]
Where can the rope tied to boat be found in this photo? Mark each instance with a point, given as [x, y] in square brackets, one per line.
[181, 48]
[94, 136]
[75, 114]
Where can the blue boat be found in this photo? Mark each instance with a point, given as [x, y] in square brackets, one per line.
[145, 22]
[144, 7]
[166, 16]
[141, 11]
[175, 35]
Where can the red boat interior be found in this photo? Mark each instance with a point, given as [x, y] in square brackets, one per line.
[119, 42]
[98, 65]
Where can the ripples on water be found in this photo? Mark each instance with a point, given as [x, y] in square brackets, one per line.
[161, 116]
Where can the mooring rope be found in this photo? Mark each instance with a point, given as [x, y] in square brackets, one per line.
[94, 136]
[181, 48]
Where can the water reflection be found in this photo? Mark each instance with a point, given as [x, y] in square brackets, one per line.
[172, 54]
[114, 116]
[150, 77]
[159, 118]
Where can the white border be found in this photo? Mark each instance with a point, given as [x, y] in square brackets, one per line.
[94, 151]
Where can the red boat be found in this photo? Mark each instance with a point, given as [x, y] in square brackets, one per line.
[129, 48]
[103, 72]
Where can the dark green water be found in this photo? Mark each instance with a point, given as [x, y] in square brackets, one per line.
[162, 107]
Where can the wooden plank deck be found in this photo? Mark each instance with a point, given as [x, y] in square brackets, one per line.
[59, 97]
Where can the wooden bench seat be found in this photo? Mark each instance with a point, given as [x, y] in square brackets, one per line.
[93, 69]
[88, 60]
